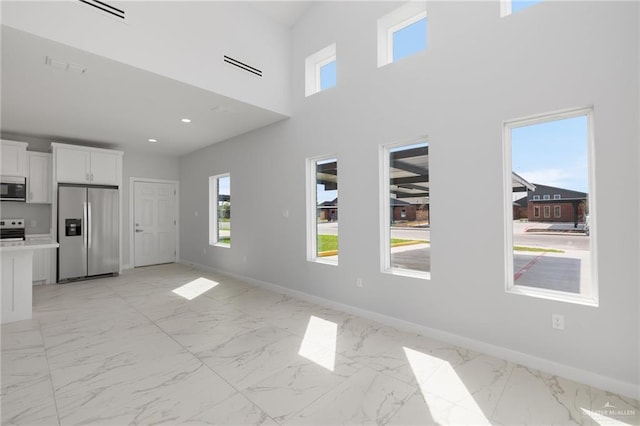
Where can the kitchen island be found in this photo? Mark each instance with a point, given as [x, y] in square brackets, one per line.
[16, 293]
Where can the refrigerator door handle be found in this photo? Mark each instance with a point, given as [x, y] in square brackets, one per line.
[84, 224]
[89, 225]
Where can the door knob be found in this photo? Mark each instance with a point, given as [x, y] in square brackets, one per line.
[139, 230]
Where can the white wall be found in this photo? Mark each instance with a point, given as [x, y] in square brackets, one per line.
[181, 40]
[141, 166]
[478, 71]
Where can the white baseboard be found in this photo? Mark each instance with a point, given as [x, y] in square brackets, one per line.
[551, 367]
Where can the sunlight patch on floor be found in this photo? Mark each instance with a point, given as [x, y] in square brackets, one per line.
[195, 288]
[424, 366]
[319, 342]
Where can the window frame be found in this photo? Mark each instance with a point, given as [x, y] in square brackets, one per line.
[312, 206]
[536, 198]
[394, 21]
[506, 8]
[313, 64]
[557, 211]
[556, 196]
[214, 231]
[536, 211]
[385, 209]
[590, 297]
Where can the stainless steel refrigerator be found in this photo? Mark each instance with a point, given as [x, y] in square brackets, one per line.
[88, 231]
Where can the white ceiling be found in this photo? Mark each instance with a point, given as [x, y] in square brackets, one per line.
[112, 104]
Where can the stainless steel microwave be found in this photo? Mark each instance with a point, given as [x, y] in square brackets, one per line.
[13, 188]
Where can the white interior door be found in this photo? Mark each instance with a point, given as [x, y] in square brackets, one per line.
[155, 223]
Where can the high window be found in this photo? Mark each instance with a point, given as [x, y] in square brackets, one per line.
[553, 255]
[321, 70]
[402, 33]
[220, 210]
[406, 208]
[322, 209]
[508, 7]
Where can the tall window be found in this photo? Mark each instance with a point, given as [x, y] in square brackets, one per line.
[321, 70]
[220, 210]
[553, 256]
[402, 32]
[322, 177]
[406, 219]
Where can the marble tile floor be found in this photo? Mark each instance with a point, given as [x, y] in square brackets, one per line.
[173, 345]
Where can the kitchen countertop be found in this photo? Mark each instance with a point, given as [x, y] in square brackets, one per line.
[34, 244]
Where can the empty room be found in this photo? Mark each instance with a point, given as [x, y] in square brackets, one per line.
[320, 212]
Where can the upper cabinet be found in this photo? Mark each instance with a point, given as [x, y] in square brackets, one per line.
[39, 177]
[76, 164]
[14, 158]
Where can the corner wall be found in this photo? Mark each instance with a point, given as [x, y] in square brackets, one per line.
[479, 70]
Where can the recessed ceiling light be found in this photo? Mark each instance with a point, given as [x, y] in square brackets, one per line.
[186, 120]
[153, 140]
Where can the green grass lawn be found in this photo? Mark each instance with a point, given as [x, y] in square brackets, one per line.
[330, 242]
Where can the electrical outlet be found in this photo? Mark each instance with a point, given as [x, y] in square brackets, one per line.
[359, 282]
[557, 321]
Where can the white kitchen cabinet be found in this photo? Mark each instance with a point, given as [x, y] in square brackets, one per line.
[41, 261]
[76, 164]
[39, 177]
[14, 158]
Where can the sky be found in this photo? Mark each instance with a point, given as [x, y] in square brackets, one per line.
[552, 153]
[224, 185]
[518, 5]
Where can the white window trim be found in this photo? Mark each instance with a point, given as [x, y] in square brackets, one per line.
[536, 197]
[312, 66]
[312, 218]
[536, 209]
[546, 197]
[399, 18]
[591, 297]
[385, 211]
[546, 211]
[559, 209]
[556, 196]
[505, 8]
[213, 209]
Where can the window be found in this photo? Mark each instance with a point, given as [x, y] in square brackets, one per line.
[406, 212]
[220, 210]
[556, 196]
[322, 210]
[545, 260]
[402, 32]
[508, 7]
[321, 70]
[536, 197]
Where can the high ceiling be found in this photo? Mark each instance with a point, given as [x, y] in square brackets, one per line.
[113, 104]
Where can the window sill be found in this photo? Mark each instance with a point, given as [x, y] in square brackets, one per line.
[324, 261]
[408, 273]
[223, 245]
[558, 296]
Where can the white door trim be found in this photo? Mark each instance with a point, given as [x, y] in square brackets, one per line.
[132, 219]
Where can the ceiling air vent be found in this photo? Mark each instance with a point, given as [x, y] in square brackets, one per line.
[236, 63]
[104, 7]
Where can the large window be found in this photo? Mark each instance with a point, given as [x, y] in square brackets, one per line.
[406, 219]
[322, 182]
[220, 210]
[552, 254]
[321, 70]
[402, 32]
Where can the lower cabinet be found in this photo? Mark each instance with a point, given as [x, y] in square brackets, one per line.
[42, 261]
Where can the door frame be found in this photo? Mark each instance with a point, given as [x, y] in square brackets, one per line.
[132, 219]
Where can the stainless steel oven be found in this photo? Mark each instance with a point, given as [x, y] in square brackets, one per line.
[11, 229]
[13, 188]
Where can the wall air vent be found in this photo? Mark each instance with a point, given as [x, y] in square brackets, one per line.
[236, 63]
[105, 8]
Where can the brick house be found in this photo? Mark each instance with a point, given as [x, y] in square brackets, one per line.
[552, 204]
[402, 211]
